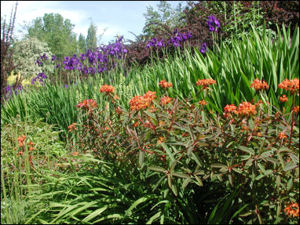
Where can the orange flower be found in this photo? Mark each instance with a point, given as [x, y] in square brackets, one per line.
[136, 124]
[161, 123]
[150, 95]
[107, 89]
[205, 83]
[282, 135]
[161, 140]
[202, 102]
[283, 98]
[31, 144]
[21, 140]
[72, 127]
[165, 84]
[152, 109]
[142, 102]
[184, 134]
[75, 153]
[165, 100]
[228, 109]
[87, 104]
[245, 128]
[295, 109]
[292, 210]
[259, 85]
[246, 109]
[290, 85]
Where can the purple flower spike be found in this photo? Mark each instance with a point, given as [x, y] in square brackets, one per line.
[159, 43]
[213, 23]
[203, 48]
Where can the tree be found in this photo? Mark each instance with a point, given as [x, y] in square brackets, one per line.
[56, 32]
[91, 39]
[165, 15]
[81, 44]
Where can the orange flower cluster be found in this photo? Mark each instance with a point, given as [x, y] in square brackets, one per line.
[87, 104]
[31, 144]
[259, 85]
[202, 102]
[283, 98]
[165, 84]
[295, 109]
[107, 89]
[228, 109]
[246, 108]
[282, 135]
[21, 140]
[72, 127]
[292, 210]
[290, 85]
[165, 100]
[142, 102]
[205, 83]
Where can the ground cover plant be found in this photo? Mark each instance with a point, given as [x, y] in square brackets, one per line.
[205, 133]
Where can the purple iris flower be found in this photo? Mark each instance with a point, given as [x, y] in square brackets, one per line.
[38, 62]
[8, 90]
[82, 57]
[53, 58]
[41, 77]
[44, 57]
[176, 44]
[160, 43]
[203, 48]
[213, 23]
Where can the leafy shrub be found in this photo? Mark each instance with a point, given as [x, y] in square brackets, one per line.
[255, 145]
[26, 53]
[277, 13]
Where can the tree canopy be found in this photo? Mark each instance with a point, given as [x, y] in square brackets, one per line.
[165, 15]
[56, 32]
[91, 39]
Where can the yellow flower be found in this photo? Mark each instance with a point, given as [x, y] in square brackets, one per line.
[25, 82]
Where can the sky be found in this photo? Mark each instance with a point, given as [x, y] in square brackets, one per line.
[111, 17]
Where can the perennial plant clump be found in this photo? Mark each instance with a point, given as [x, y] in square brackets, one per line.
[245, 145]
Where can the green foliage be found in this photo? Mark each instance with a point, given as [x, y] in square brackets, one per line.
[22, 167]
[234, 67]
[26, 53]
[165, 15]
[81, 44]
[91, 39]
[181, 144]
[56, 32]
